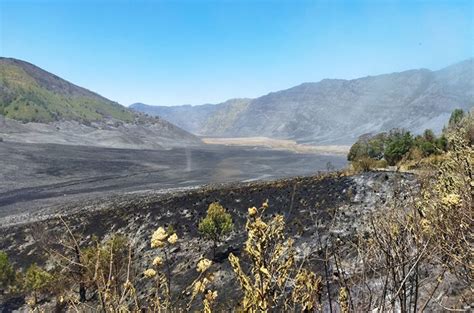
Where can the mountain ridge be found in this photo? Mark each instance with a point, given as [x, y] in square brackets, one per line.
[31, 94]
[40, 107]
[41, 76]
[337, 111]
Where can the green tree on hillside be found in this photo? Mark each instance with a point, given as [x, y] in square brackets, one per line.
[216, 224]
[367, 147]
[456, 117]
[398, 143]
[428, 135]
[7, 273]
[428, 144]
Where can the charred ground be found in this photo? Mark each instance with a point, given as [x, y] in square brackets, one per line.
[50, 176]
[315, 208]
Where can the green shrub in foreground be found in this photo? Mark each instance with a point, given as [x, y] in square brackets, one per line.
[216, 224]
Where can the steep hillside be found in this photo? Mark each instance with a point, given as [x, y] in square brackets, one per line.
[225, 115]
[186, 115]
[199, 119]
[28, 93]
[337, 111]
[39, 107]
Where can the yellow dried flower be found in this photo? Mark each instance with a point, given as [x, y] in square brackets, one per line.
[127, 284]
[343, 300]
[252, 211]
[451, 199]
[211, 295]
[173, 239]
[203, 265]
[160, 234]
[157, 244]
[197, 287]
[157, 238]
[265, 204]
[264, 271]
[157, 261]
[394, 230]
[306, 290]
[260, 225]
[200, 286]
[425, 225]
[31, 302]
[149, 273]
[107, 295]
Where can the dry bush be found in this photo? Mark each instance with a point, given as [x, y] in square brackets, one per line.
[392, 257]
[417, 255]
[107, 267]
[161, 299]
[108, 276]
[98, 275]
[365, 164]
[274, 280]
[424, 165]
[447, 205]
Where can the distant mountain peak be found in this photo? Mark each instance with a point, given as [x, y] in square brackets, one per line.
[337, 111]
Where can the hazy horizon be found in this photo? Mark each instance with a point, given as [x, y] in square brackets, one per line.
[289, 87]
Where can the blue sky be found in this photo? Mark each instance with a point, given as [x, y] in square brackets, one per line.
[177, 52]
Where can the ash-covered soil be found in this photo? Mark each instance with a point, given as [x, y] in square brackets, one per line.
[143, 133]
[315, 208]
[43, 178]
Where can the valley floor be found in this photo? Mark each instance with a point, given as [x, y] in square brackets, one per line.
[38, 177]
[278, 144]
